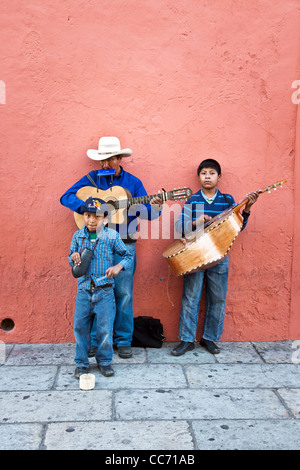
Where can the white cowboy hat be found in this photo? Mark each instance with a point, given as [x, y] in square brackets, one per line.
[108, 147]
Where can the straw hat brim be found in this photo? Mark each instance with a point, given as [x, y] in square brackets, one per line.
[95, 155]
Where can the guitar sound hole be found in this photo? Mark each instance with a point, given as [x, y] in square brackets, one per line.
[112, 205]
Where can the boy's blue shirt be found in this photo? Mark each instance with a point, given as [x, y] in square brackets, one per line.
[125, 180]
[107, 243]
[197, 205]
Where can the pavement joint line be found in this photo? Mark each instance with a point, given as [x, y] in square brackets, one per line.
[280, 398]
[258, 353]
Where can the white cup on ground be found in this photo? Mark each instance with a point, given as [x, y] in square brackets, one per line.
[87, 381]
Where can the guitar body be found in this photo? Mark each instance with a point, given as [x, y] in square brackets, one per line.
[120, 199]
[207, 247]
[110, 196]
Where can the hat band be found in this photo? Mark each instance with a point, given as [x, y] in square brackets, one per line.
[108, 153]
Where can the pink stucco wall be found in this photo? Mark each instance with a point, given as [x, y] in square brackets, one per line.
[176, 81]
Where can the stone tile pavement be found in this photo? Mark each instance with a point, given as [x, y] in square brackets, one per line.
[246, 398]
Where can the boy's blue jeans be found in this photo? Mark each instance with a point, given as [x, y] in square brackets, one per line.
[215, 299]
[123, 325]
[98, 307]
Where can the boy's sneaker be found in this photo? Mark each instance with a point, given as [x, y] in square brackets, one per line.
[80, 371]
[210, 346]
[107, 371]
[182, 348]
[125, 352]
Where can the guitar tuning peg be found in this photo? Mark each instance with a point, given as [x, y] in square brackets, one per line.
[269, 190]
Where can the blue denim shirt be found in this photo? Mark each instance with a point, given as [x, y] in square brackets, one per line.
[107, 243]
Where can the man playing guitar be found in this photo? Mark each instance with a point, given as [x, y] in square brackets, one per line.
[109, 155]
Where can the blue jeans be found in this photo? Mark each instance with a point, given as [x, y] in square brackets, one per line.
[94, 307]
[215, 299]
[123, 325]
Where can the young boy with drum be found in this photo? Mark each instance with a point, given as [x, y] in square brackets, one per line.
[200, 208]
[95, 295]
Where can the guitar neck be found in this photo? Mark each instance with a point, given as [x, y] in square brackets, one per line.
[126, 203]
[244, 201]
[236, 207]
[146, 199]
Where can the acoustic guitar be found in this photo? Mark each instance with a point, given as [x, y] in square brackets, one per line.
[211, 243]
[119, 200]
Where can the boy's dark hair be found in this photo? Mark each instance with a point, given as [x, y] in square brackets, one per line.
[209, 163]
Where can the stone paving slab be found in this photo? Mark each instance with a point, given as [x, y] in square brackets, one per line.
[238, 353]
[20, 436]
[277, 352]
[198, 404]
[163, 355]
[27, 377]
[292, 399]
[230, 353]
[18, 407]
[121, 435]
[247, 434]
[59, 354]
[126, 377]
[243, 375]
[41, 354]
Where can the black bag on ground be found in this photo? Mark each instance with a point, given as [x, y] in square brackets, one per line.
[147, 332]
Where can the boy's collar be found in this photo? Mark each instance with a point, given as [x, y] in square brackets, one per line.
[209, 199]
[86, 230]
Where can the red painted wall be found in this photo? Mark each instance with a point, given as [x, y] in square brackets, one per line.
[176, 81]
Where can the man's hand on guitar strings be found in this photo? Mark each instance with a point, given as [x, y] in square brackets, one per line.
[156, 202]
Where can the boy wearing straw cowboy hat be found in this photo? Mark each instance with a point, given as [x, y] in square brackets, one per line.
[109, 155]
